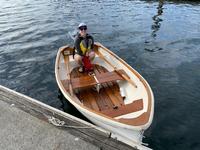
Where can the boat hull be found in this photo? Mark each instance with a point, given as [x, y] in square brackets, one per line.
[129, 134]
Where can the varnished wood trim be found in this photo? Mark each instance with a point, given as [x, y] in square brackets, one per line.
[136, 105]
[88, 81]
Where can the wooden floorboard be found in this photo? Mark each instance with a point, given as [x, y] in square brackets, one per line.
[89, 98]
[125, 109]
[112, 89]
[107, 87]
[107, 98]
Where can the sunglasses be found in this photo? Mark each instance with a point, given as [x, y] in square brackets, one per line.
[83, 28]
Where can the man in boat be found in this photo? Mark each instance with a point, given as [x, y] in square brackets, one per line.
[83, 44]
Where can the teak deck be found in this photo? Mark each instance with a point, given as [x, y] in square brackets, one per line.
[108, 100]
[108, 96]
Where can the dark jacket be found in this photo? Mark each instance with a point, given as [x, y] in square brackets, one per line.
[87, 42]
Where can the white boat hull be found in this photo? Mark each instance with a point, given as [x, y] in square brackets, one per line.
[129, 134]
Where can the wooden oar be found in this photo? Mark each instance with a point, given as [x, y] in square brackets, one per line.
[115, 68]
[66, 59]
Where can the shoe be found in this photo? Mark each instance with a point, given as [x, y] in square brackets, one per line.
[91, 73]
[80, 69]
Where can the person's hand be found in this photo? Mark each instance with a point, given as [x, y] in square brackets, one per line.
[87, 54]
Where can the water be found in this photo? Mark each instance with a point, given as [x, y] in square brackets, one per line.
[160, 39]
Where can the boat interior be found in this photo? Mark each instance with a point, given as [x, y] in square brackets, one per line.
[100, 91]
[106, 98]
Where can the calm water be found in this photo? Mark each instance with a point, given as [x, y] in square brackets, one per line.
[159, 39]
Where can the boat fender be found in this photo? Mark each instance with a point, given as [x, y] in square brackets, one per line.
[122, 93]
[109, 136]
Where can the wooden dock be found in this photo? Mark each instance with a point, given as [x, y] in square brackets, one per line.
[26, 123]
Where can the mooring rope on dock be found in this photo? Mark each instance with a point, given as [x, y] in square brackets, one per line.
[60, 123]
[52, 120]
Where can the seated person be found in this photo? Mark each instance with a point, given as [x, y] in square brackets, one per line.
[83, 44]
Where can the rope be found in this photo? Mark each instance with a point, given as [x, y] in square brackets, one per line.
[52, 120]
[59, 123]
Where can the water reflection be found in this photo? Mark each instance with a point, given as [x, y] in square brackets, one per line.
[69, 108]
[66, 106]
[157, 20]
[151, 45]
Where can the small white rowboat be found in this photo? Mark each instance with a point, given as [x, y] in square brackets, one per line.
[116, 97]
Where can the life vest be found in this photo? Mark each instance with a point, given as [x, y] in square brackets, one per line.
[85, 45]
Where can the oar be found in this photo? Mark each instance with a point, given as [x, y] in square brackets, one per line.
[117, 71]
[66, 59]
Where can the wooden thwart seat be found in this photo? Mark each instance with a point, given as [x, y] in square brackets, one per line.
[124, 109]
[87, 81]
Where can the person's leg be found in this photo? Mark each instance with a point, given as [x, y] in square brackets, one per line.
[92, 55]
[78, 59]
